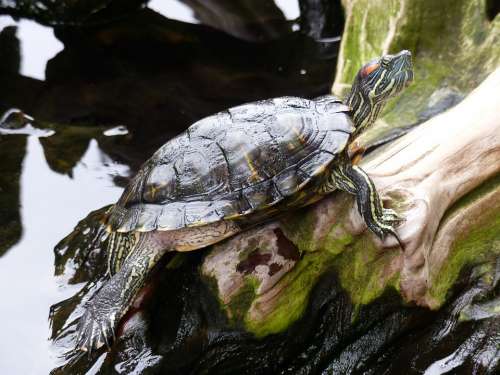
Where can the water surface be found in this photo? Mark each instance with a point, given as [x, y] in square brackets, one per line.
[106, 100]
[51, 205]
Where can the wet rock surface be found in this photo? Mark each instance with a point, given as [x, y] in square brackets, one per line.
[179, 326]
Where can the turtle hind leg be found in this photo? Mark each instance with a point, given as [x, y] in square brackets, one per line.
[120, 246]
[97, 325]
[379, 220]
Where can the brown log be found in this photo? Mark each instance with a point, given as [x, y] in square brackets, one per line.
[434, 166]
[422, 175]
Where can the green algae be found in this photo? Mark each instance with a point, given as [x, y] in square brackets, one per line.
[480, 243]
[365, 33]
[475, 246]
[241, 302]
[363, 271]
[299, 229]
[290, 306]
[336, 240]
[318, 256]
[455, 51]
[361, 268]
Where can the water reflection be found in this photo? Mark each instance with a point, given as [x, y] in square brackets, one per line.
[173, 9]
[51, 205]
[290, 8]
[11, 156]
[38, 46]
[156, 76]
[251, 20]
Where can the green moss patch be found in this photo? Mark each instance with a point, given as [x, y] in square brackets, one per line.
[291, 304]
[480, 243]
[241, 302]
[363, 271]
[299, 228]
[457, 51]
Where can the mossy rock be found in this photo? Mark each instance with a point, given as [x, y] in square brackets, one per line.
[455, 45]
[478, 245]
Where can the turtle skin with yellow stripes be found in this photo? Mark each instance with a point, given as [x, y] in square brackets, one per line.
[236, 169]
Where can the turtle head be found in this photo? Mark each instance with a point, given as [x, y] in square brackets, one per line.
[376, 82]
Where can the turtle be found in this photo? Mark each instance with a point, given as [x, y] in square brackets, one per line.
[234, 170]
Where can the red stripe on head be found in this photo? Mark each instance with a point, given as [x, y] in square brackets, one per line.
[369, 68]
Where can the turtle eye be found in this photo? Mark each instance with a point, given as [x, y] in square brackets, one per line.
[368, 69]
[386, 60]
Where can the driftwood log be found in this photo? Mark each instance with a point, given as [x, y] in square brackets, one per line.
[431, 169]
[423, 175]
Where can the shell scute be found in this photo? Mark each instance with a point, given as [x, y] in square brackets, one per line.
[263, 194]
[291, 180]
[234, 163]
[171, 216]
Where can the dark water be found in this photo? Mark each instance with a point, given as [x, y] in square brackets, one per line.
[151, 75]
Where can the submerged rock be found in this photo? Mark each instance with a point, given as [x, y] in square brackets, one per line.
[251, 20]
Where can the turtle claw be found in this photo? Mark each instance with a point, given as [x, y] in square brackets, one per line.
[390, 217]
[105, 336]
[94, 331]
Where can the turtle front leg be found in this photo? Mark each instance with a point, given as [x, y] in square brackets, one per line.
[356, 151]
[103, 312]
[354, 180]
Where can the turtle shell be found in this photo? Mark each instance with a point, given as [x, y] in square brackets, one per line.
[233, 163]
